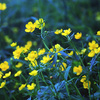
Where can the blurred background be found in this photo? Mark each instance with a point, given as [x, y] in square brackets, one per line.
[79, 15]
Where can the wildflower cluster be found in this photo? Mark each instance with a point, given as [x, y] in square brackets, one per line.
[3, 6]
[52, 68]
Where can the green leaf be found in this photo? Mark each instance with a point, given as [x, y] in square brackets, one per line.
[67, 72]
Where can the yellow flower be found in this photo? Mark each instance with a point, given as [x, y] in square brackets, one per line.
[91, 54]
[31, 87]
[83, 79]
[58, 31]
[18, 73]
[39, 23]
[63, 66]
[13, 44]
[27, 46]
[86, 84]
[78, 35]
[98, 33]
[22, 86]
[93, 45]
[34, 63]
[58, 48]
[45, 59]
[66, 32]
[2, 84]
[7, 75]
[19, 65]
[32, 56]
[41, 52]
[3, 6]
[33, 73]
[1, 74]
[30, 27]
[77, 70]
[17, 52]
[71, 53]
[4, 66]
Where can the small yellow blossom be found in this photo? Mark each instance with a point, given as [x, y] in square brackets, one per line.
[63, 66]
[32, 56]
[17, 52]
[58, 31]
[1, 74]
[93, 45]
[91, 54]
[83, 79]
[2, 84]
[39, 23]
[22, 86]
[7, 75]
[45, 59]
[3, 6]
[30, 27]
[13, 44]
[66, 32]
[98, 33]
[31, 87]
[71, 53]
[77, 70]
[86, 84]
[41, 51]
[18, 73]
[33, 73]
[34, 63]
[4, 66]
[78, 35]
[19, 65]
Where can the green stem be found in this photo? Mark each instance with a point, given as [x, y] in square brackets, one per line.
[9, 92]
[67, 90]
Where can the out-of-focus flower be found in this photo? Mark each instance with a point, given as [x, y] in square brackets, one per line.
[78, 35]
[3, 6]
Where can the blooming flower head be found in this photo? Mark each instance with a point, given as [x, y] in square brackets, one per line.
[45, 59]
[83, 79]
[30, 27]
[33, 73]
[19, 65]
[13, 44]
[91, 54]
[98, 33]
[78, 35]
[4, 66]
[2, 84]
[3, 6]
[66, 32]
[22, 86]
[63, 66]
[32, 56]
[93, 45]
[7, 75]
[71, 53]
[34, 63]
[17, 52]
[58, 31]
[27, 46]
[77, 70]
[31, 87]
[18, 73]
[86, 84]
[39, 23]
[41, 51]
